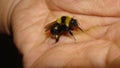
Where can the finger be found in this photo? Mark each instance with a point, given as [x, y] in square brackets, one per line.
[93, 7]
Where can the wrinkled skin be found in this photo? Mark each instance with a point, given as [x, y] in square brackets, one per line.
[97, 46]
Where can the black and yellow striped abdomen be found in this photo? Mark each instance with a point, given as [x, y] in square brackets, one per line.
[64, 20]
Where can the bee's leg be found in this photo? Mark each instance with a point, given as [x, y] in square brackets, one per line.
[80, 28]
[71, 34]
[57, 38]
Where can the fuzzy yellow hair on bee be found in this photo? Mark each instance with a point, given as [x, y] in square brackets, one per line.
[61, 25]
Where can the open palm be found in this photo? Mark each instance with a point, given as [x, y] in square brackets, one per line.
[97, 46]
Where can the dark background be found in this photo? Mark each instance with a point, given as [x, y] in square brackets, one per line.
[9, 55]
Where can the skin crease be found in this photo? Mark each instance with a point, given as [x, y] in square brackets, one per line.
[97, 46]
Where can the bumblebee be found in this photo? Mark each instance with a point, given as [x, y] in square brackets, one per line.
[61, 25]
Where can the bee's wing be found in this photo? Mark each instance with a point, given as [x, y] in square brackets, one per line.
[48, 26]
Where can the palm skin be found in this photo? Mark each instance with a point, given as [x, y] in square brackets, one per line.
[97, 46]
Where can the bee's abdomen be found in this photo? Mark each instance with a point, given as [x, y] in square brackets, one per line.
[63, 18]
[55, 30]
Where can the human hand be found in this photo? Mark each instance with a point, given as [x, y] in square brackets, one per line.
[97, 46]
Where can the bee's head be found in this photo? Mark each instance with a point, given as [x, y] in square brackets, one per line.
[74, 22]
